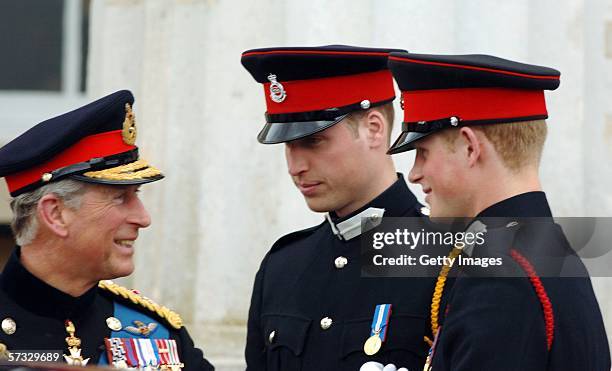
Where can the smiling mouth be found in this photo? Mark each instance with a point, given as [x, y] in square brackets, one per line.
[125, 243]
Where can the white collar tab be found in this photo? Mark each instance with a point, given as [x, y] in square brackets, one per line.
[351, 227]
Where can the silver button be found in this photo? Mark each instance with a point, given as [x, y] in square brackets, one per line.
[114, 324]
[454, 121]
[47, 177]
[374, 217]
[365, 104]
[9, 326]
[326, 323]
[271, 337]
[511, 224]
[340, 262]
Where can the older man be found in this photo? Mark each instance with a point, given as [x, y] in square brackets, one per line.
[74, 180]
[477, 124]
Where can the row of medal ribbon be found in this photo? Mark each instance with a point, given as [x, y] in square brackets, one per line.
[143, 353]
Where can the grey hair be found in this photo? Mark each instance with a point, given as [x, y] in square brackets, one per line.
[24, 206]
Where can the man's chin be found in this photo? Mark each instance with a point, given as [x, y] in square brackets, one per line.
[121, 270]
[318, 205]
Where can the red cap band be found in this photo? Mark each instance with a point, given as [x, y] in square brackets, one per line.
[472, 104]
[93, 146]
[331, 92]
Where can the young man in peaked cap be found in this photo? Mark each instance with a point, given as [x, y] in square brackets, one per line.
[76, 215]
[310, 310]
[477, 124]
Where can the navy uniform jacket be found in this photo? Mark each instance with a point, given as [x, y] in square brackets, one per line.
[499, 323]
[298, 285]
[39, 312]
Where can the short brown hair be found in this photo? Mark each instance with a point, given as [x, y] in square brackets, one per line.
[518, 143]
[386, 110]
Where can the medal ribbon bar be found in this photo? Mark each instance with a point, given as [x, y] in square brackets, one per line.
[381, 320]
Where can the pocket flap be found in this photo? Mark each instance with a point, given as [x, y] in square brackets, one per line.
[283, 330]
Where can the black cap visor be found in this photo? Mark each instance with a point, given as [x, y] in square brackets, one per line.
[406, 141]
[281, 132]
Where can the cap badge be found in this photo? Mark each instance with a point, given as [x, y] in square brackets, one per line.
[277, 90]
[129, 126]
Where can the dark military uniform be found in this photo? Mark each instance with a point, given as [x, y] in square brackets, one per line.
[505, 323]
[108, 324]
[311, 310]
[537, 311]
[33, 316]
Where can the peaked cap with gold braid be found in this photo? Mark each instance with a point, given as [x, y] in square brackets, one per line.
[94, 143]
[171, 317]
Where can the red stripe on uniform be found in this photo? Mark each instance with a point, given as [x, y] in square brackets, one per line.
[470, 104]
[331, 92]
[466, 67]
[93, 146]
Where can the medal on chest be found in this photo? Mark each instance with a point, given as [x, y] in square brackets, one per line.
[379, 327]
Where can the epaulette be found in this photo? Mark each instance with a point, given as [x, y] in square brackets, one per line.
[173, 318]
[294, 236]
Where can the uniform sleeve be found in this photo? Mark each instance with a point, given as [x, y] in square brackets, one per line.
[255, 348]
[193, 358]
[492, 324]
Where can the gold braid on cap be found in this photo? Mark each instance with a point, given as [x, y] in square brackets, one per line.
[135, 170]
[173, 318]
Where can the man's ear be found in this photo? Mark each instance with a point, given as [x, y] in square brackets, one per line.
[376, 128]
[472, 147]
[50, 211]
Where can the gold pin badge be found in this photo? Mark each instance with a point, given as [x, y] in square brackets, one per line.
[114, 324]
[141, 328]
[9, 326]
[74, 347]
[129, 126]
[4, 352]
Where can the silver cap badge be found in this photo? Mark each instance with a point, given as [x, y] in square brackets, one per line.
[277, 90]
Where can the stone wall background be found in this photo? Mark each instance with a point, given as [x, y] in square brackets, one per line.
[226, 198]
